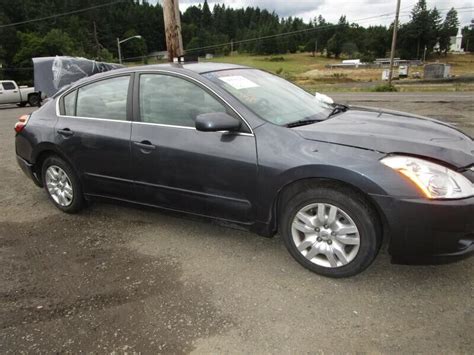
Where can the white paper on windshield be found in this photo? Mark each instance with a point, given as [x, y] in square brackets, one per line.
[239, 82]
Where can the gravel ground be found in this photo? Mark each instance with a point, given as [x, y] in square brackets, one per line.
[121, 278]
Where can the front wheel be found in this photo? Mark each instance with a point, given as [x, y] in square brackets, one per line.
[330, 230]
[62, 185]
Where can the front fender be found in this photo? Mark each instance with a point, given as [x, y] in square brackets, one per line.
[359, 180]
[363, 173]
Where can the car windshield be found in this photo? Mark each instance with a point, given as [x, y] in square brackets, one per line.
[272, 98]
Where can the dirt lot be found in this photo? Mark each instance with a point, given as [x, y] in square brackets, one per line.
[130, 279]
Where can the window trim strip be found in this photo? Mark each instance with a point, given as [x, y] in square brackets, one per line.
[151, 71]
[60, 98]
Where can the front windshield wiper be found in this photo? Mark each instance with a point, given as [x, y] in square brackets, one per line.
[301, 123]
[338, 108]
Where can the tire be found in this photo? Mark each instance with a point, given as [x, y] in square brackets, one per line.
[72, 199]
[352, 210]
[22, 104]
[33, 100]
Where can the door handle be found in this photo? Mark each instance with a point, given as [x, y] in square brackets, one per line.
[145, 145]
[66, 132]
[15, 91]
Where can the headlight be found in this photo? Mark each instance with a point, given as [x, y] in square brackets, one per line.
[435, 181]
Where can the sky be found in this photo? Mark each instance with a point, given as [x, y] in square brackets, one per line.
[355, 10]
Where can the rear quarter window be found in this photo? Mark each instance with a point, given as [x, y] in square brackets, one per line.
[70, 103]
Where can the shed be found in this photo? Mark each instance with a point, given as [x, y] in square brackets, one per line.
[437, 71]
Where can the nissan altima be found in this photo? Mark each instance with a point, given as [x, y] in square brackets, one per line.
[247, 147]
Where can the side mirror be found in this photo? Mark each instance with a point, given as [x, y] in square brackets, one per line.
[324, 99]
[216, 121]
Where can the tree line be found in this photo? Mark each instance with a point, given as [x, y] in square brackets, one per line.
[93, 33]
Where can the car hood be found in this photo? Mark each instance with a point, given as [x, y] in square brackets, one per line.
[394, 132]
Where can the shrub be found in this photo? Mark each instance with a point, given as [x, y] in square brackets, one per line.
[384, 88]
[276, 59]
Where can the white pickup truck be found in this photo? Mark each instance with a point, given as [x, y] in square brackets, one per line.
[11, 93]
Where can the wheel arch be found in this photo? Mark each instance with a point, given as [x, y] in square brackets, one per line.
[344, 179]
[41, 153]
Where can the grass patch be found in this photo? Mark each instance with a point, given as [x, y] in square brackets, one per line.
[291, 64]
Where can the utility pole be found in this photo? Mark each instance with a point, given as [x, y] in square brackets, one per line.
[174, 41]
[97, 44]
[394, 43]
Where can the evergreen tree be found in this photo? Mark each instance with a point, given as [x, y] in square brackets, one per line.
[449, 28]
[421, 33]
[206, 17]
[468, 38]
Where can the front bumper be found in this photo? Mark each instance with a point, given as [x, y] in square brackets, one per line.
[28, 170]
[427, 231]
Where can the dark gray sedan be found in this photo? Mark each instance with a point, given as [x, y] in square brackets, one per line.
[246, 147]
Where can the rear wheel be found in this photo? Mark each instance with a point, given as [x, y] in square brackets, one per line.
[62, 185]
[33, 100]
[330, 230]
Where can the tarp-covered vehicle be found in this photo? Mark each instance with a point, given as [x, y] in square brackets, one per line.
[53, 73]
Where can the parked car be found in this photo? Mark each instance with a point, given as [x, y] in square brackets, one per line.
[244, 146]
[11, 93]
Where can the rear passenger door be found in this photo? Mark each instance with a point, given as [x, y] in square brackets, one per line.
[93, 131]
[178, 167]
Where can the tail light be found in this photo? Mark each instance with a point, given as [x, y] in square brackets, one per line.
[22, 121]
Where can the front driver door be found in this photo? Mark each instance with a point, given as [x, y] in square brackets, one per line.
[180, 168]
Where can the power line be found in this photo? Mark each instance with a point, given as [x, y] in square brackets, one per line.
[62, 14]
[408, 13]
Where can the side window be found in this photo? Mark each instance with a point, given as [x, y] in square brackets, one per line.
[8, 85]
[70, 104]
[174, 101]
[104, 99]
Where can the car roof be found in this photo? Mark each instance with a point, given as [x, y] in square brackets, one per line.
[197, 67]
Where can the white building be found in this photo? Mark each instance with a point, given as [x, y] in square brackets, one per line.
[456, 42]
